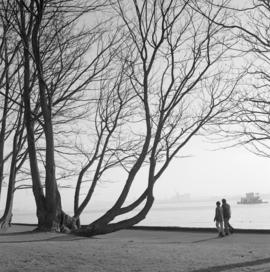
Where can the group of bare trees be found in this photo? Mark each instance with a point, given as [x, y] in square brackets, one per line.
[87, 86]
[44, 78]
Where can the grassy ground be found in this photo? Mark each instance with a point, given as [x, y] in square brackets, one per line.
[133, 250]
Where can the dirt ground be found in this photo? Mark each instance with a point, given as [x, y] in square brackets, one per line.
[133, 250]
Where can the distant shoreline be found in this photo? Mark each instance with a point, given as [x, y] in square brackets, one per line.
[190, 215]
[175, 229]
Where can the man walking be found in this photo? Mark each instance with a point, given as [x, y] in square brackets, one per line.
[219, 219]
[227, 216]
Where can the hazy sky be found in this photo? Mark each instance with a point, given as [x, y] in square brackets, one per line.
[233, 171]
[227, 171]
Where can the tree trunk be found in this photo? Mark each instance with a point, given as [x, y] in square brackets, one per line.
[5, 220]
[2, 141]
[98, 229]
[4, 117]
[29, 123]
[53, 198]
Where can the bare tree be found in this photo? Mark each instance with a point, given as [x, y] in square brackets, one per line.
[50, 54]
[252, 113]
[248, 121]
[147, 87]
[11, 134]
[46, 29]
[179, 82]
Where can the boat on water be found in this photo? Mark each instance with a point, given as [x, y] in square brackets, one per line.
[251, 198]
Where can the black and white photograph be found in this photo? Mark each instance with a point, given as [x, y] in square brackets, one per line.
[135, 135]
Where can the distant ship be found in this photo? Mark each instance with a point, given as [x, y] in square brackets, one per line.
[251, 198]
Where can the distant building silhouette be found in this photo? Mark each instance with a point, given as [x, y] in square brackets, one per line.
[251, 198]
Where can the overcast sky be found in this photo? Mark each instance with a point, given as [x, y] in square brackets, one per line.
[207, 173]
[233, 171]
[228, 171]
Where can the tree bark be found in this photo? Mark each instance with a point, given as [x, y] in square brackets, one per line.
[4, 116]
[29, 123]
[53, 198]
[5, 220]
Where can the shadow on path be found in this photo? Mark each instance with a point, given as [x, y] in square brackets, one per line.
[205, 240]
[33, 236]
[18, 233]
[232, 266]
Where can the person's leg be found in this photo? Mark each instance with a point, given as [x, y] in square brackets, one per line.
[219, 227]
[226, 226]
[222, 229]
[230, 226]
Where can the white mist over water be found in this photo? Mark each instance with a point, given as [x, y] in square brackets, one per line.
[184, 214]
[201, 214]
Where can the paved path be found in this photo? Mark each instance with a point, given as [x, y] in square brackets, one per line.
[134, 250]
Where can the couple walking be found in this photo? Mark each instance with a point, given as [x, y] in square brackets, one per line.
[222, 217]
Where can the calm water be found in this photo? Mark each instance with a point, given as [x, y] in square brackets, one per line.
[185, 214]
[201, 214]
